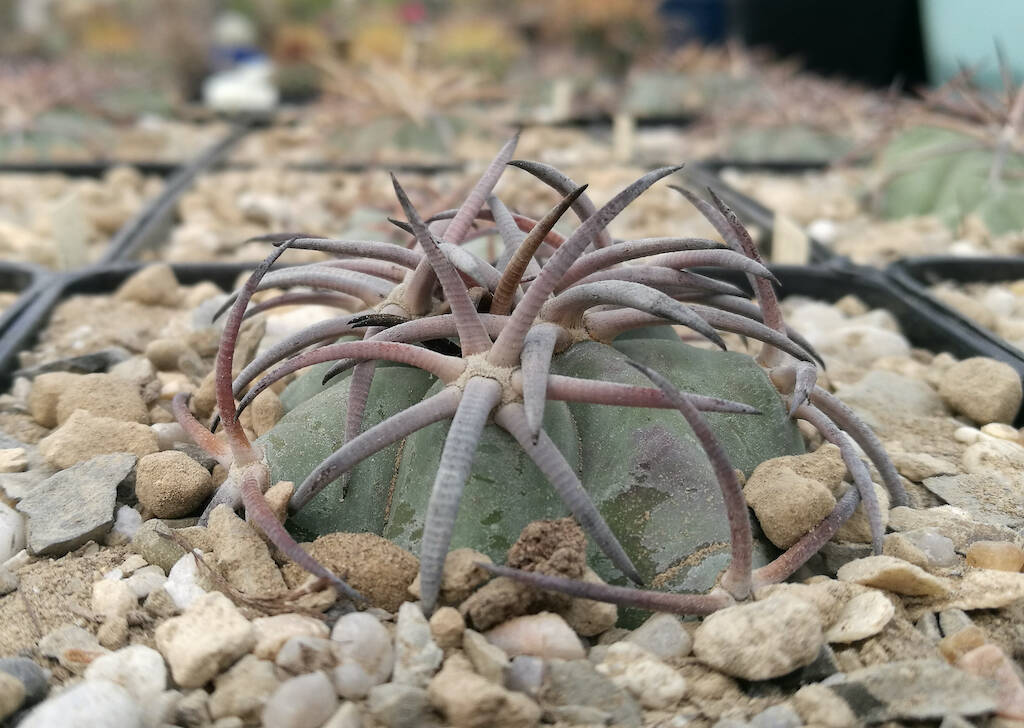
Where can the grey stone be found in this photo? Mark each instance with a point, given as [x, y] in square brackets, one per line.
[824, 665]
[837, 554]
[75, 505]
[196, 453]
[996, 498]
[777, 716]
[400, 706]
[34, 678]
[578, 715]
[952, 621]
[916, 690]
[153, 543]
[950, 522]
[879, 397]
[525, 674]
[928, 625]
[663, 636]
[90, 704]
[576, 682]
[97, 361]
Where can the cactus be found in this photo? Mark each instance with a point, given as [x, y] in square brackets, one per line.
[522, 390]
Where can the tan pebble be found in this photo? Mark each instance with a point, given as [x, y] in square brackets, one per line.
[857, 528]
[969, 435]
[173, 383]
[164, 353]
[84, 436]
[46, 390]
[13, 460]
[242, 556]
[863, 616]
[266, 411]
[12, 694]
[655, 685]
[103, 395]
[467, 700]
[460, 578]
[1000, 430]
[488, 660]
[542, 635]
[961, 642]
[277, 497]
[787, 505]
[154, 285]
[447, 627]
[588, 617]
[999, 555]
[112, 598]
[272, 632]
[819, 706]
[171, 484]
[983, 389]
[113, 633]
[892, 574]
[991, 662]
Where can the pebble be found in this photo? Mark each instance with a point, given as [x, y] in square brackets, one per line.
[882, 398]
[102, 395]
[959, 643]
[46, 390]
[90, 704]
[663, 636]
[818, 706]
[777, 716]
[983, 389]
[127, 522]
[153, 285]
[208, 637]
[170, 484]
[587, 617]
[653, 683]
[182, 584]
[168, 434]
[153, 543]
[366, 657]
[489, 661]
[918, 466]
[303, 701]
[113, 633]
[145, 580]
[85, 436]
[760, 640]
[951, 522]
[446, 627]
[865, 615]
[74, 506]
[243, 690]
[394, 705]
[1001, 431]
[925, 547]
[468, 700]
[988, 661]
[347, 716]
[13, 460]
[72, 646]
[272, 632]
[978, 589]
[892, 574]
[242, 556]
[992, 455]
[525, 674]
[34, 678]
[857, 528]
[999, 555]
[578, 683]
[138, 669]
[417, 656]
[300, 655]
[12, 694]
[542, 635]
[787, 505]
[967, 435]
[112, 598]
[12, 532]
[915, 690]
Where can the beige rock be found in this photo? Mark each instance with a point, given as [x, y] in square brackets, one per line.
[243, 690]
[171, 484]
[1001, 431]
[787, 505]
[819, 706]
[488, 660]
[978, 589]
[272, 632]
[242, 557]
[587, 617]
[983, 389]
[863, 616]
[954, 646]
[112, 598]
[655, 685]
[84, 436]
[989, 661]
[12, 694]
[265, 411]
[467, 700]
[990, 455]
[760, 640]
[208, 637]
[154, 285]
[13, 460]
[542, 635]
[857, 528]
[277, 497]
[918, 466]
[892, 574]
[460, 578]
[103, 395]
[999, 555]
[165, 353]
[46, 390]
[376, 568]
[447, 627]
[951, 522]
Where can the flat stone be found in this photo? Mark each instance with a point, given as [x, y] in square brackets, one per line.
[90, 704]
[924, 547]
[989, 497]
[915, 690]
[978, 589]
[882, 397]
[13, 460]
[892, 574]
[242, 556]
[988, 661]
[863, 616]
[75, 505]
[153, 542]
[663, 636]
[950, 521]
[208, 637]
[918, 465]
[97, 361]
[577, 683]
[760, 640]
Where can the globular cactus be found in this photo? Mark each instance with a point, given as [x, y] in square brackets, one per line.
[522, 390]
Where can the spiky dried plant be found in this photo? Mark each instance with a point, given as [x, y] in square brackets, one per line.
[544, 294]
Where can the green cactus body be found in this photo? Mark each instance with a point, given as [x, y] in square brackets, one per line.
[644, 468]
[931, 171]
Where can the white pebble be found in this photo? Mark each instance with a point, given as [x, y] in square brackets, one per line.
[112, 598]
[1000, 430]
[968, 435]
[146, 580]
[181, 584]
[306, 701]
[653, 683]
[12, 532]
[138, 669]
[365, 655]
[127, 521]
[542, 635]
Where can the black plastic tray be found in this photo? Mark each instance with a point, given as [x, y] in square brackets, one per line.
[22, 332]
[27, 281]
[89, 169]
[915, 275]
[706, 174]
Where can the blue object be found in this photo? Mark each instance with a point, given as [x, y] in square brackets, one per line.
[959, 33]
[688, 20]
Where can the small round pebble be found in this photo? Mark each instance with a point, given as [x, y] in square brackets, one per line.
[365, 654]
[983, 389]
[89, 704]
[446, 627]
[171, 484]
[12, 694]
[306, 701]
[999, 555]
[542, 635]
